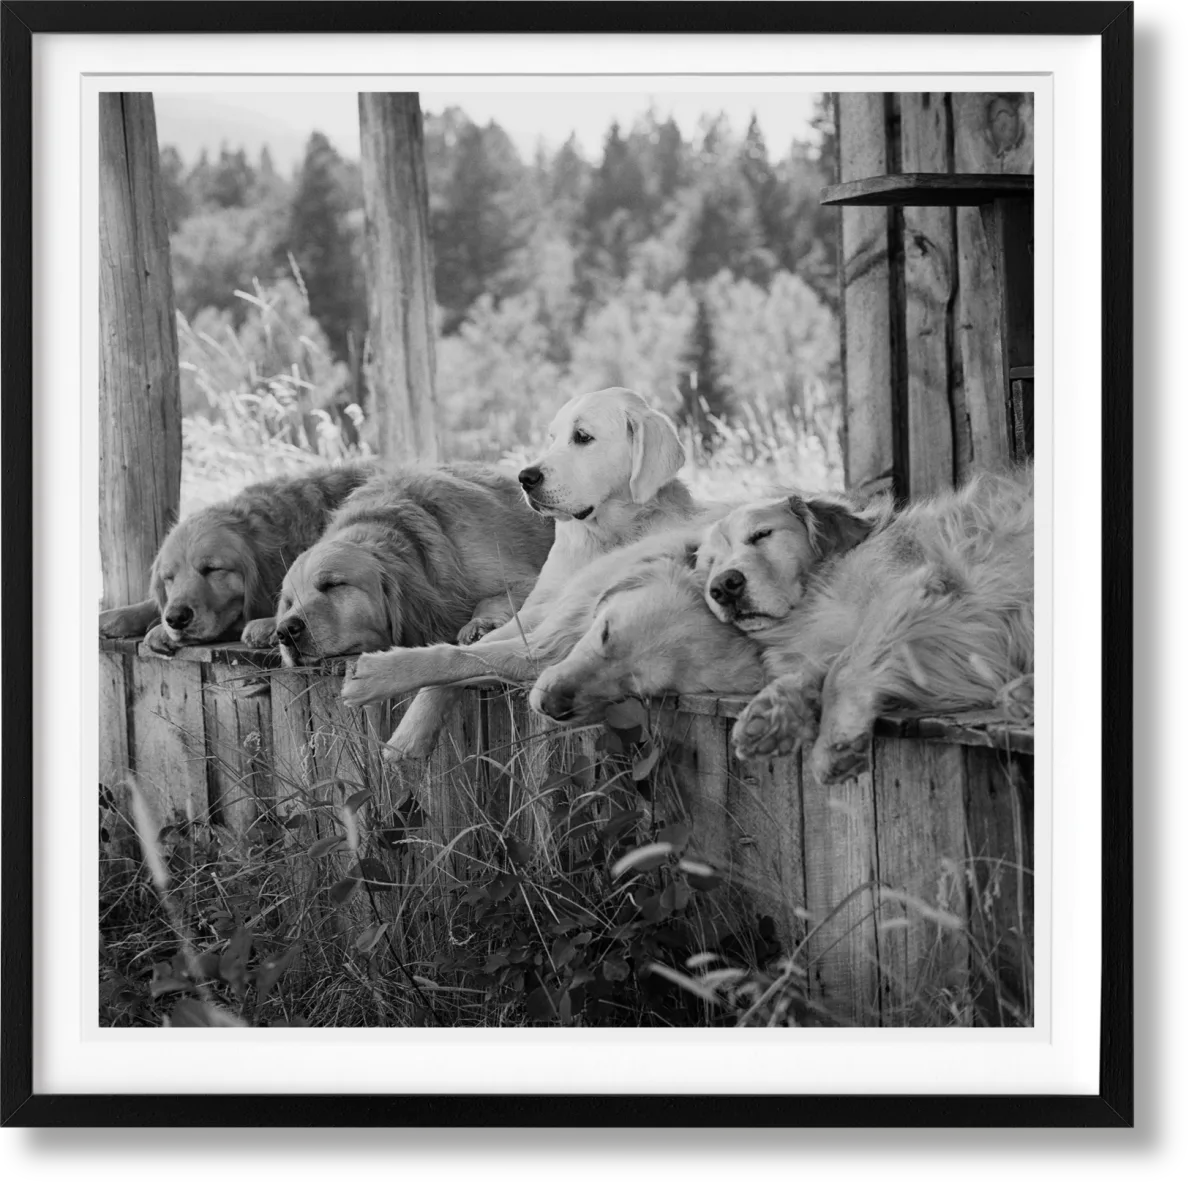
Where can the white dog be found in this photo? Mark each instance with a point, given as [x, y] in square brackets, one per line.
[608, 479]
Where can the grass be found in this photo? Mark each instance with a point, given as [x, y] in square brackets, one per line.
[523, 876]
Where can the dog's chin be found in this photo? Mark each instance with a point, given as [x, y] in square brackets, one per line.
[753, 621]
[544, 509]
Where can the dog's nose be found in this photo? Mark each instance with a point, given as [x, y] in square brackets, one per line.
[530, 478]
[557, 702]
[727, 587]
[288, 631]
[179, 618]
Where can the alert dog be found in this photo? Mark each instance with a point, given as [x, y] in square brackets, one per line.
[607, 479]
[861, 611]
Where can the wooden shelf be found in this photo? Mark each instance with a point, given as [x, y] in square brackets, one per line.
[928, 190]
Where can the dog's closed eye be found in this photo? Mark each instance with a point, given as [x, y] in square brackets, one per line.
[581, 437]
[758, 536]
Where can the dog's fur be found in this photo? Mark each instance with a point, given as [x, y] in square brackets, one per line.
[414, 557]
[862, 611]
[608, 479]
[650, 633]
[655, 569]
[224, 564]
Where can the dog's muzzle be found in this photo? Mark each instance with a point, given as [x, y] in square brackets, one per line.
[728, 587]
[557, 703]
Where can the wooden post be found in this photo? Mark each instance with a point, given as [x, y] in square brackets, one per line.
[403, 416]
[141, 443]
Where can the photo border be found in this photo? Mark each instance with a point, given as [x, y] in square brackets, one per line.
[1112, 1106]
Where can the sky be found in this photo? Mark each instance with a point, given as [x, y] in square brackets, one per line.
[283, 122]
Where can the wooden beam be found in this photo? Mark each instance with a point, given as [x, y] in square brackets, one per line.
[927, 190]
[141, 438]
[403, 423]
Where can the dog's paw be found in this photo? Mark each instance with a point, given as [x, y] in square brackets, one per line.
[370, 679]
[775, 723]
[160, 641]
[123, 622]
[260, 633]
[835, 761]
[478, 627]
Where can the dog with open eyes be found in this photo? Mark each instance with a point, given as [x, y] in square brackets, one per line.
[217, 574]
[607, 479]
[862, 610]
[415, 556]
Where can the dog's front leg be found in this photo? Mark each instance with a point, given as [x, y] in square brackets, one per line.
[133, 620]
[850, 702]
[417, 733]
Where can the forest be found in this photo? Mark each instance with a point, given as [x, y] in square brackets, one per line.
[700, 272]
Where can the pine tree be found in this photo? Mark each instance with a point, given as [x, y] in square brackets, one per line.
[323, 245]
[175, 193]
[701, 384]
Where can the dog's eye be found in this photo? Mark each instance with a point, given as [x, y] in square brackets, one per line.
[758, 536]
[604, 635]
[327, 585]
[581, 437]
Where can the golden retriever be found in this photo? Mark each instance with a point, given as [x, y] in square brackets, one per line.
[860, 611]
[219, 570]
[632, 623]
[413, 557]
[607, 478]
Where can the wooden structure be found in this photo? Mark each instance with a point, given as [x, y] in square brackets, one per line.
[399, 262]
[908, 885]
[141, 441]
[937, 267]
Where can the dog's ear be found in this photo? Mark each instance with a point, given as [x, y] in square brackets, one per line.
[833, 529]
[260, 593]
[657, 452]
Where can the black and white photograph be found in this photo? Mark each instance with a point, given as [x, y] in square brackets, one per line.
[567, 559]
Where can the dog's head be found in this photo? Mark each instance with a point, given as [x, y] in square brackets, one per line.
[346, 596]
[650, 633]
[603, 446]
[756, 562]
[205, 580]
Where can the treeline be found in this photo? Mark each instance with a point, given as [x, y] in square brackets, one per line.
[663, 265]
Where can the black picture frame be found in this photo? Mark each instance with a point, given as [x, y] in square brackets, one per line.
[1112, 1106]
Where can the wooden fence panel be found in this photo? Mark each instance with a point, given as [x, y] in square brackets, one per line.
[866, 883]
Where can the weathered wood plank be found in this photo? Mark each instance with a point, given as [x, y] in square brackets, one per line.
[915, 188]
[399, 257]
[114, 733]
[999, 872]
[167, 745]
[929, 283]
[920, 820]
[866, 295]
[141, 439]
[840, 879]
[993, 132]
[238, 735]
[766, 811]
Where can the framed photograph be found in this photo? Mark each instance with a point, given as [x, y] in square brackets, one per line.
[560, 504]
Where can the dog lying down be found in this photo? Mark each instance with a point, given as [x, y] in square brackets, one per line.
[219, 570]
[633, 623]
[861, 612]
[606, 479]
[415, 556]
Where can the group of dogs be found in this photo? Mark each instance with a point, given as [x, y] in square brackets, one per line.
[595, 576]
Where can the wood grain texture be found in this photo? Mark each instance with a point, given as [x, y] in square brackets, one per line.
[840, 875]
[930, 278]
[920, 819]
[399, 259]
[114, 733]
[917, 188]
[141, 443]
[238, 744]
[866, 317]
[167, 744]
[993, 132]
